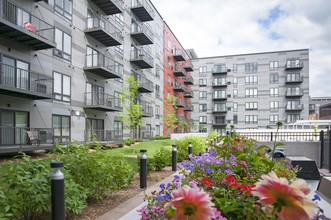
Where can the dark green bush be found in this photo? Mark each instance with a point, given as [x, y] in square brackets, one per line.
[161, 137]
[4, 206]
[162, 158]
[198, 146]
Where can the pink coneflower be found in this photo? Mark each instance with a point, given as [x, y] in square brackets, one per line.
[287, 200]
[190, 204]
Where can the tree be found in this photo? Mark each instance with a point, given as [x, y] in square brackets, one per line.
[171, 119]
[132, 114]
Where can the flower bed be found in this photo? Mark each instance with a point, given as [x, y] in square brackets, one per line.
[233, 180]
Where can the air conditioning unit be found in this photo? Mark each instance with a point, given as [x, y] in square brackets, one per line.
[41, 88]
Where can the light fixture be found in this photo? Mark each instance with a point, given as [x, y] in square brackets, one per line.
[77, 113]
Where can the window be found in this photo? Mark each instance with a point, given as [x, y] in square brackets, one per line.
[250, 67]
[15, 73]
[119, 50]
[219, 107]
[273, 119]
[251, 119]
[294, 63]
[61, 126]
[203, 119]
[202, 70]
[63, 44]
[62, 87]
[219, 94]
[64, 8]
[202, 82]
[251, 105]
[293, 77]
[235, 93]
[293, 91]
[169, 79]
[291, 118]
[202, 107]
[158, 71]
[235, 68]
[219, 81]
[157, 111]
[157, 91]
[202, 95]
[169, 44]
[118, 130]
[220, 68]
[293, 105]
[251, 80]
[273, 65]
[252, 93]
[273, 92]
[169, 61]
[118, 99]
[273, 78]
[157, 130]
[235, 119]
[235, 81]
[235, 106]
[273, 105]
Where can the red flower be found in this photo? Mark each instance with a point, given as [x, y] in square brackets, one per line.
[237, 140]
[207, 181]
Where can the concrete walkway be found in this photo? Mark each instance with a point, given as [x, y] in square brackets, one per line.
[127, 210]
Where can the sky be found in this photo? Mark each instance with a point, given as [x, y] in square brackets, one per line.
[227, 27]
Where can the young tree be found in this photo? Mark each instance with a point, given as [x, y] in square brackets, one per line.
[132, 113]
[170, 118]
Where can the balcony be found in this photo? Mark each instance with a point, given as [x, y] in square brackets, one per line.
[219, 69]
[103, 136]
[293, 64]
[188, 67]
[103, 31]
[293, 94]
[178, 54]
[180, 103]
[219, 110]
[145, 85]
[293, 107]
[147, 110]
[25, 84]
[188, 108]
[295, 80]
[109, 7]
[141, 58]
[16, 139]
[188, 94]
[179, 87]
[103, 66]
[217, 84]
[219, 122]
[141, 33]
[102, 101]
[178, 70]
[219, 97]
[142, 10]
[188, 80]
[21, 26]
[181, 118]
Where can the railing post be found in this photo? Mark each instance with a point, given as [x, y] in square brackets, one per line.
[322, 148]
[329, 151]
[271, 136]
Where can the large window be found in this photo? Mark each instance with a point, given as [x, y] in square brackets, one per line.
[235, 68]
[157, 111]
[219, 94]
[235, 93]
[251, 105]
[273, 78]
[118, 99]
[274, 105]
[251, 93]
[291, 118]
[203, 119]
[250, 67]
[203, 82]
[219, 107]
[202, 107]
[118, 128]
[157, 130]
[62, 88]
[293, 91]
[274, 92]
[293, 105]
[293, 77]
[219, 81]
[157, 71]
[235, 80]
[61, 126]
[273, 119]
[251, 119]
[202, 70]
[15, 73]
[64, 7]
[251, 80]
[273, 65]
[157, 91]
[235, 106]
[202, 95]
[63, 44]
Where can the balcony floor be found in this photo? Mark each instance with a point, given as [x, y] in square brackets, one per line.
[103, 37]
[23, 93]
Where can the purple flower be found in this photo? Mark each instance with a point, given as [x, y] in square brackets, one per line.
[159, 198]
[177, 177]
[169, 185]
[162, 185]
[316, 197]
[229, 171]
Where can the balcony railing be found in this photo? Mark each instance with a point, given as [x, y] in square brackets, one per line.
[179, 87]
[290, 80]
[103, 136]
[294, 93]
[188, 107]
[19, 82]
[189, 94]
[188, 67]
[188, 80]
[219, 122]
[219, 110]
[180, 103]
[15, 139]
[103, 66]
[179, 70]
[294, 107]
[219, 97]
[141, 58]
[220, 83]
[142, 34]
[142, 10]
[178, 54]
[145, 85]
[219, 69]
[102, 101]
[294, 64]
[147, 110]
[20, 25]
[109, 7]
[146, 134]
[103, 31]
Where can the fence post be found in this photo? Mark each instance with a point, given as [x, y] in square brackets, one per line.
[322, 148]
[174, 157]
[271, 136]
[57, 191]
[143, 169]
[329, 151]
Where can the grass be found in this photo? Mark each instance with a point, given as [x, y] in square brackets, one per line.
[130, 153]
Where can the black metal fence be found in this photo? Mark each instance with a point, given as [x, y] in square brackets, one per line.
[103, 136]
[325, 161]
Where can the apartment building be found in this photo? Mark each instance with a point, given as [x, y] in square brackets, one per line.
[251, 91]
[177, 83]
[64, 65]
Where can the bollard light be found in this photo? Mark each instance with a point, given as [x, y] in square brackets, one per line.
[57, 191]
[143, 169]
[189, 148]
[215, 141]
[174, 158]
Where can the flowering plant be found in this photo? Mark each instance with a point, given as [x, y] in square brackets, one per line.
[232, 181]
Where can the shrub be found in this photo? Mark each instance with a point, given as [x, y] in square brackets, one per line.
[212, 135]
[198, 146]
[161, 137]
[137, 140]
[162, 158]
[4, 206]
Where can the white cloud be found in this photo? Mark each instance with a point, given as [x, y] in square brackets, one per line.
[214, 27]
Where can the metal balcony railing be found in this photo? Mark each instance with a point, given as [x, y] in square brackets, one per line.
[103, 101]
[294, 79]
[142, 33]
[141, 58]
[103, 135]
[189, 80]
[142, 9]
[294, 107]
[178, 54]
[145, 85]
